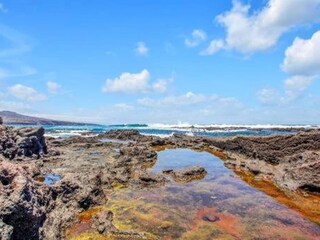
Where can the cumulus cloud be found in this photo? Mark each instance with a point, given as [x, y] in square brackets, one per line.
[258, 31]
[135, 83]
[26, 93]
[197, 37]
[128, 83]
[296, 85]
[302, 63]
[142, 49]
[215, 46]
[53, 87]
[161, 85]
[303, 56]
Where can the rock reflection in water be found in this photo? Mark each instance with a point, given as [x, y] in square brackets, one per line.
[220, 206]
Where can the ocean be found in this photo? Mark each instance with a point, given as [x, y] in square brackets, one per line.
[165, 130]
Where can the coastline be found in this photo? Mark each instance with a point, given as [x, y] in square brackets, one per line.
[91, 169]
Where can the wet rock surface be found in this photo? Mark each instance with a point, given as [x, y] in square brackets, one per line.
[90, 169]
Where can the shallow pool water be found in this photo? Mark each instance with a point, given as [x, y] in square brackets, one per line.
[220, 206]
[50, 179]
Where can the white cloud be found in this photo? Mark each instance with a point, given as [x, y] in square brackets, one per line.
[135, 83]
[215, 46]
[303, 56]
[53, 87]
[261, 30]
[197, 37]
[268, 96]
[302, 63]
[161, 85]
[294, 88]
[128, 83]
[142, 49]
[26, 93]
[296, 85]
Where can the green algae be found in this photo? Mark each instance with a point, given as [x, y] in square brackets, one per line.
[182, 210]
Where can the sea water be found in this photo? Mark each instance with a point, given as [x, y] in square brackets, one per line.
[163, 130]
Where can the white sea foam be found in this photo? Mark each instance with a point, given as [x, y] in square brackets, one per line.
[227, 126]
[158, 135]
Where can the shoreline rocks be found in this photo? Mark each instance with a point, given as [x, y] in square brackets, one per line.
[89, 169]
[22, 142]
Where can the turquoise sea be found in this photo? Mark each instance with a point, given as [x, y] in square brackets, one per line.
[164, 130]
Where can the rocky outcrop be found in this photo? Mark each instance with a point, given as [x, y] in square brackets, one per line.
[23, 205]
[22, 142]
[30, 209]
[70, 196]
[291, 161]
[302, 171]
[131, 135]
[271, 149]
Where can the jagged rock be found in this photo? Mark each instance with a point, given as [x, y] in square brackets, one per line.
[127, 135]
[270, 149]
[22, 204]
[22, 142]
[74, 193]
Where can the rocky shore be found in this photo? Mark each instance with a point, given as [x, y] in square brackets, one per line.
[87, 169]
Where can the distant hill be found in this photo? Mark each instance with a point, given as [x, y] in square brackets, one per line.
[16, 118]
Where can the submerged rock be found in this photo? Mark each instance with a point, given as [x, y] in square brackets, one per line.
[187, 174]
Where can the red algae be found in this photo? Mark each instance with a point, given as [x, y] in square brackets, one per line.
[220, 206]
[228, 223]
[87, 215]
[85, 222]
[305, 203]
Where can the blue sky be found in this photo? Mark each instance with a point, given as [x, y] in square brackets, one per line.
[163, 61]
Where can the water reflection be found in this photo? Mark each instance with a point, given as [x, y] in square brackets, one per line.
[220, 206]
